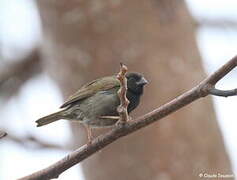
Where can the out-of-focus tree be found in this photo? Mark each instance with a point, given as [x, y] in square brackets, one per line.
[83, 40]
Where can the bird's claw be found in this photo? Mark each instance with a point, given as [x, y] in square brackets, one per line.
[110, 117]
[122, 122]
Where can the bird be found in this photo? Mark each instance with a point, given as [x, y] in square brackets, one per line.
[96, 100]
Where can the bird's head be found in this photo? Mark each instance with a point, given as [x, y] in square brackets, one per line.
[136, 82]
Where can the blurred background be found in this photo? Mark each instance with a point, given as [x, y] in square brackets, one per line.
[49, 49]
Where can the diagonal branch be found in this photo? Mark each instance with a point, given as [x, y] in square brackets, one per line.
[220, 73]
[30, 141]
[201, 90]
[2, 134]
[14, 75]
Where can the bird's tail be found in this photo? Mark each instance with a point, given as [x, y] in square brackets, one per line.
[50, 118]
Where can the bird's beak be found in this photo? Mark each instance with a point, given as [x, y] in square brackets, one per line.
[142, 82]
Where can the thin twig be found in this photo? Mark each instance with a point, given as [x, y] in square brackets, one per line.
[217, 23]
[30, 141]
[2, 134]
[14, 75]
[223, 93]
[35, 143]
[201, 90]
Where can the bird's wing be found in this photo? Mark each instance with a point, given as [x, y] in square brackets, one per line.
[91, 88]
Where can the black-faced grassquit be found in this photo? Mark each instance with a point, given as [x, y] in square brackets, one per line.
[98, 99]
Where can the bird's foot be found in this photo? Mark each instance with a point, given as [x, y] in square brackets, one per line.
[110, 117]
[121, 122]
[89, 135]
[89, 142]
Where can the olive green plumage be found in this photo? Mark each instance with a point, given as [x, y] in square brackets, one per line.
[98, 98]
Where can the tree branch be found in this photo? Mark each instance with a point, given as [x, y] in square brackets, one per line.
[2, 134]
[224, 93]
[33, 142]
[201, 90]
[217, 23]
[14, 75]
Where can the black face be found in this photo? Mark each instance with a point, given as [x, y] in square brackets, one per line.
[136, 82]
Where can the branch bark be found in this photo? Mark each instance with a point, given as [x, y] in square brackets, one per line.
[201, 90]
[14, 75]
[2, 134]
[30, 141]
[217, 23]
[223, 93]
